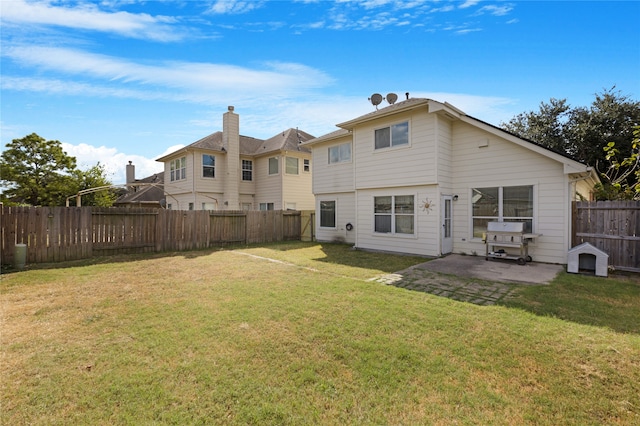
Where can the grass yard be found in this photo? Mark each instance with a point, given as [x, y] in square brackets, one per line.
[291, 334]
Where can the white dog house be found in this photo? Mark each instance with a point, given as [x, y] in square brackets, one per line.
[586, 256]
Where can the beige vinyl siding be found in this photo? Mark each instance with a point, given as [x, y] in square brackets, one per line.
[425, 240]
[444, 153]
[337, 177]
[296, 189]
[345, 213]
[268, 187]
[412, 164]
[247, 187]
[209, 185]
[502, 163]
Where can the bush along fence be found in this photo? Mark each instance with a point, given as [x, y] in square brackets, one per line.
[611, 226]
[54, 234]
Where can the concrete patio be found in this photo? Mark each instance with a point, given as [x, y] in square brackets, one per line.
[471, 278]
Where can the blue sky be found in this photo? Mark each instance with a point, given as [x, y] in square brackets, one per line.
[118, 81]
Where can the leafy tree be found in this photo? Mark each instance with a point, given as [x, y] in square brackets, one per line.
[94, 177]
[37, 172]
[582, 132]
[621, 179]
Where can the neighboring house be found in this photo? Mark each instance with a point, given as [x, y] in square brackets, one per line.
[227, 171]
[422, 177]
[147, 192]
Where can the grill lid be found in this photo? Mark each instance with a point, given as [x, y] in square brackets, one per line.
[512, 227]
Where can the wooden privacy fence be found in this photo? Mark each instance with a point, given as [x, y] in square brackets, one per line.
[54, 234]
[611, 226]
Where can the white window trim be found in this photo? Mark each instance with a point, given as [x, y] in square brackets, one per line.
[242, 170]
[350, 160]
[392, 147]
[534, 219]
[269, 168]
[335, 227]
[413, 236]
[286, 160]
[213, 167]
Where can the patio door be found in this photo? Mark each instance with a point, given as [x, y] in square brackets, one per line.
[446, 235]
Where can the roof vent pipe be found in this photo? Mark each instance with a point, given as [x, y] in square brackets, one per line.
[407, 94]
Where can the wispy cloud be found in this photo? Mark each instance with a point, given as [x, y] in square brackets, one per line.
[501, 10]
[88, 16]
[235, 7]
[85, 72]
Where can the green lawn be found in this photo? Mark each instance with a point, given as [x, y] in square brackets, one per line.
[295, 334]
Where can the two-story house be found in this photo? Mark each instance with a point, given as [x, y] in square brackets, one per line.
[227, 171]
[422, 177]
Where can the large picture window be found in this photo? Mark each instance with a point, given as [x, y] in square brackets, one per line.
[394, 214]
[208, 166]
[328, 214]
[502, 204]
[340, 153]
[178, 169]
[395, 135]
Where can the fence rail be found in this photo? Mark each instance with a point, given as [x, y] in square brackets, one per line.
[54, 234]
[611, 226]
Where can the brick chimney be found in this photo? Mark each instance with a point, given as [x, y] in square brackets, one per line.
[231, 144]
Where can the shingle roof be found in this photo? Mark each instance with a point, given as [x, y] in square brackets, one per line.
[288, 140]
[145, 194]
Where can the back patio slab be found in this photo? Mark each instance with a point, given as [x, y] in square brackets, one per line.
[471, 278]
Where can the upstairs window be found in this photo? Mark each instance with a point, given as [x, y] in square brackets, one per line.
[307, 165]
[247, 170]
[340, 153]
[178, 169]
[208, 166]
[273, 165]
[291, 166]
[395, 135]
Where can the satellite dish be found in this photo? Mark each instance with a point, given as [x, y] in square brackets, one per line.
[376, 99]
[392, 98]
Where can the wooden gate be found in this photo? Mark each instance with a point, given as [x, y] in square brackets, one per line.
[611, 226]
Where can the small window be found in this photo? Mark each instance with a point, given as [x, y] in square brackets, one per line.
[395, 135]
[208, 166]
[340, 153]
[169, 206]
[307, 165]
[290, 206]
[266, 206]
[190, 206]
[247, 170]
[208, 206]
[328, 214]
[273, 165]
[291, 166]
